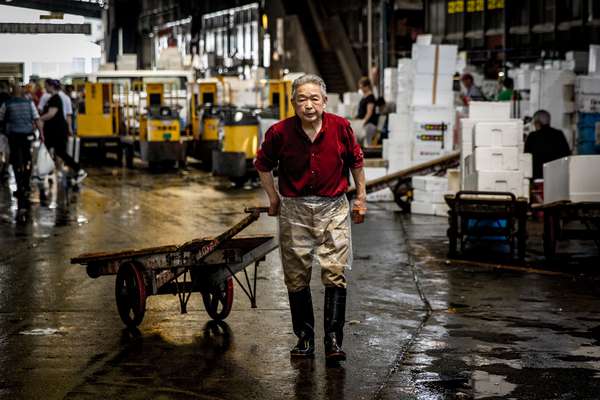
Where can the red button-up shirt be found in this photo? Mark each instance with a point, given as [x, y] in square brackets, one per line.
[318, 168]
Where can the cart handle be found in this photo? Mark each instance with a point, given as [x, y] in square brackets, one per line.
[485, 193]
[256, 210]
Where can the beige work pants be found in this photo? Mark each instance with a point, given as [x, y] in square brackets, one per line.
[314, 230]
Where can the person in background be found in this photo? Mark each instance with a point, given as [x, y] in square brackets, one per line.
[367, 111]
[56, 129]
[545, 143]
[471, 91]
[315, 152]
[67, 106]
[20, 118]
[4, 147]
[507, 91]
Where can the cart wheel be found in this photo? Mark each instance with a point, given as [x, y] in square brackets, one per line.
[130, 292]
[219, 299]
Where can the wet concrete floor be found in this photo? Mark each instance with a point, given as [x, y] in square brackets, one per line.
[418, 326]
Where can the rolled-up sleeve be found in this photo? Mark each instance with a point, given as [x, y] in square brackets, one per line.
[267, 156]
[356, 158]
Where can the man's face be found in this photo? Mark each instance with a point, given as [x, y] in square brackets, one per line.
[309, 102]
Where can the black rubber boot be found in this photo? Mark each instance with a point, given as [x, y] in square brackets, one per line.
[335, 316]
[303, 322]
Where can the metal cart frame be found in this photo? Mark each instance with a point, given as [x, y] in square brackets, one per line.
[206, 265]
[478, 206]
[559, 214]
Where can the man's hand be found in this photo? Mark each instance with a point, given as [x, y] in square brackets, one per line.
[274, 203]
[359, 209]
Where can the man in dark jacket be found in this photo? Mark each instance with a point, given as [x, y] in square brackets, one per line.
[545, 144]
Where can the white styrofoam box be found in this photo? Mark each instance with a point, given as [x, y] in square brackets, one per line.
[424, 208]
[496, 159]
[587, 84]
[333, 100]
[398, 122]
[351, 97]
[588, 103]
[418, 207]
[428, 196]
[573, 178]
[489, 110]
[385, 148]
[399, 163]
[523, 81]
[466, 149]
[425, 55]
[505, 133]
[453, 176]
[526, 164]
[425, 98]
[496, 181]
[380, 196]
[594, 63]
[374, 172]
[466, 130]
[424, 82]
[426, 152]
[433, 114]
[430, 183]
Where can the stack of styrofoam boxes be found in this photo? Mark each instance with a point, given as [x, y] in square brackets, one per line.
[573, 178]
[554, 91]
[435, 66]
[349, 107]
[405, 74]
[522, 79]
[497, 162]
[398, 147]
[587, 93]
[390, 84]
[428, 195]
[594, 60]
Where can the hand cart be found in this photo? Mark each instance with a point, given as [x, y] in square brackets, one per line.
[470, 215]
[202, 265]
[400, 182]
[558, 215]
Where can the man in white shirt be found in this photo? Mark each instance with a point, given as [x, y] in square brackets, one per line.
[66, 103]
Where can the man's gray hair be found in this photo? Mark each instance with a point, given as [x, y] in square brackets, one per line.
[542, 117]
[309, 78]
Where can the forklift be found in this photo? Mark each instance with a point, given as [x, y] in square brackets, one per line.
[158, 139]
[206, 119]
[238, 145]
[98, 121]
[280, 98]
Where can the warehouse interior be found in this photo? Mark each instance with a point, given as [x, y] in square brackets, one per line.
[135, 136]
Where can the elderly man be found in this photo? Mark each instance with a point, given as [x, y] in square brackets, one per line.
[314, 152]
[545, 143]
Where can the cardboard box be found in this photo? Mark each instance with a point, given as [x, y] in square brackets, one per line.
[526, 164]
[496, 159]
[430, 183]
[573, 178]
[500, 134]
[489, 110]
